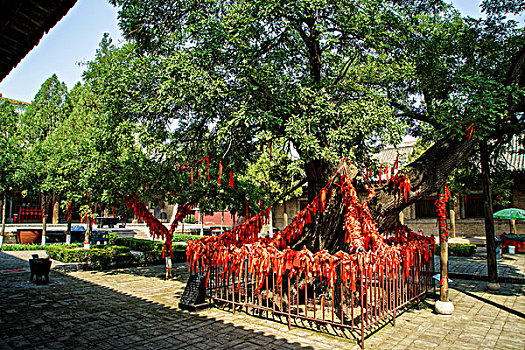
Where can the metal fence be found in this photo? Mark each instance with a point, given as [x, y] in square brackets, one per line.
[376, 295]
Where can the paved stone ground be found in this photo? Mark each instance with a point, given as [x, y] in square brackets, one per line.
[510, 266]
[136, 309]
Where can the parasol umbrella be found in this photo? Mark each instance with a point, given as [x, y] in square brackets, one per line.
[510, 214]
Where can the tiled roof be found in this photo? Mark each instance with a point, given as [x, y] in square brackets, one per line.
[515, 155]
[404, 150]
[22, 25]
[14, 102]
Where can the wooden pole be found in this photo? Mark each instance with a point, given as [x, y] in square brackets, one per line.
[443, 262]
[513, 227]
[492, 266]
[443, 305]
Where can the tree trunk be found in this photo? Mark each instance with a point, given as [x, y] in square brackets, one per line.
[169, 267]
[44, 228]
[87, 235]
[427, 174]
[326, 230]
[44, 220]
[488, 211]
[2, 234]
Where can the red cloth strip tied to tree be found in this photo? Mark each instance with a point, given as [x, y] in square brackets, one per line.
[156, 228]
[182, 211]
[369, 251]
[441, 209]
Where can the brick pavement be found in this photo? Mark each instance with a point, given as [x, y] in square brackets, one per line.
[136, 309]
[511, 267]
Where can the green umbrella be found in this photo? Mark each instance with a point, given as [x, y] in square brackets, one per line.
[510, 214]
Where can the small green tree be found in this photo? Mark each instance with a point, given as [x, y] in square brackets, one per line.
[10, 154]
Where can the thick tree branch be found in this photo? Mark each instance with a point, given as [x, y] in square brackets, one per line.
[411, 113]
[427, 174]
[516, 76]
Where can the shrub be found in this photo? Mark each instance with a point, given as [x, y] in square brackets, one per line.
[190, 220]
[140, 245]
[459, 249]
[99, 256]
[22, 247]
[67, 254]
[152, 250]
[179, 237]
[112, 238]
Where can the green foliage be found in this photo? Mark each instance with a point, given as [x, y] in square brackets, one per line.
[323, 79]
[140, 245]
[23, 247]
[99, 257]
[456, 249]
[11, 145]
[178, 237]
[152, 250]
[113, 238]
[67, 254]
[190, 219]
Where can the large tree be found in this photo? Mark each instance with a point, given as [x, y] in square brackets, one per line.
[334, 79]
[10, 154]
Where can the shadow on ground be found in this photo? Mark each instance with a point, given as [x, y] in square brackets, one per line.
[72, 313]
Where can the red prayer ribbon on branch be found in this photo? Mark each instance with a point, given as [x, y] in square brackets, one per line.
[220, 172]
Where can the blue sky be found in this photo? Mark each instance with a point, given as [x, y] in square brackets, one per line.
[74, 40]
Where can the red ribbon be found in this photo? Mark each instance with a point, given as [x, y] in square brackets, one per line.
[220, 172]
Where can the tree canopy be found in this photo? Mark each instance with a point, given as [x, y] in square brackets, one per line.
[244, 84]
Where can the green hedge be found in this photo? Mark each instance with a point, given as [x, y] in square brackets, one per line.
[99, 257]
[179, 237]
[115, 256]
[457, 249]
[23, 247]
[152, 250]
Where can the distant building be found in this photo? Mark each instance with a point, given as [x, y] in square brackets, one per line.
[20, 106]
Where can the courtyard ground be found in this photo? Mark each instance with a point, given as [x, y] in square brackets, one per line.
[136, 308]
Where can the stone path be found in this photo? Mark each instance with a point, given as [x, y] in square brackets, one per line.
[136, 309]
[511, 267]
